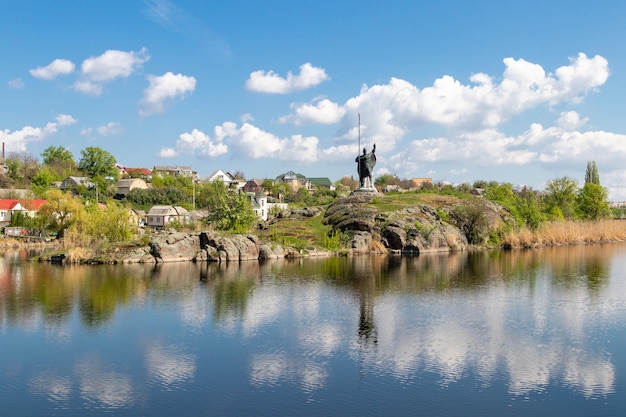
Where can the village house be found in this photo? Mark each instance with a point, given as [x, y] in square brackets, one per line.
[175, 171]
[8, 207]
[258, 202]
[254, 185]
[125, 186]
[160, 216]
[142, 173]
[293, 180]
[71, 183]
[137, 217]
[321, 182]
[228, 179]
[421, 182]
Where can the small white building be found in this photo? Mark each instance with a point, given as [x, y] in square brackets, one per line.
[160, 216]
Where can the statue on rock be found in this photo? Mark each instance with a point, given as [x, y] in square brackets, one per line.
[365, 166]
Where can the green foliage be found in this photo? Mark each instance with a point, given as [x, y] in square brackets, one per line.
[333, 240]
[111, 224]
[59, 161]
[146, 198]
[591, 174]
[387, 179]
[470, 218]
[60, 211]
[559, 198]
[527, 208]
[53, 155]
[95, 161]
[592, 202]
[228, 211]
[42, 181]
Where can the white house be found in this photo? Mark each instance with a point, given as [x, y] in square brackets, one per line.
[160, 216]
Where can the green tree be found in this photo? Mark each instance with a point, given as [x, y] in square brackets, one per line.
[387, 179]
[592, 202]
[42, 181]
[97, 162]
[471, 219]
[559, 198]
[228, 211]
[591, 175]
[527, 208]
[59, 161]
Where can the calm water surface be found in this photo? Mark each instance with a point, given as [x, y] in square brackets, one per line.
[522, 333]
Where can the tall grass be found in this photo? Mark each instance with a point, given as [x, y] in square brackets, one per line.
[568, 232]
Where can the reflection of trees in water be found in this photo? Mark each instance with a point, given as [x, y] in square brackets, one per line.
[232, 286]
[29, 290]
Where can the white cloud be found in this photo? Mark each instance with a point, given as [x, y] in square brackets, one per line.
[389, 111]
[65, 120]
[571, 120]
[161, 88]
[270, 82]
[246, 118]
[323, 112]
[196, 142]
[18, 140]
[96, 71]
[254, 143]
[111, 129]
[53, 69]
[17, 83]
[167, 153]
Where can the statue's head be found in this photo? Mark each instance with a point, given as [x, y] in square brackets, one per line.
[364, 151]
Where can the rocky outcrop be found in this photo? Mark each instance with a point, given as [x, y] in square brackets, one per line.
[411, 230]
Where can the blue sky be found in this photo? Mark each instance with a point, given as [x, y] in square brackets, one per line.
[519, 92]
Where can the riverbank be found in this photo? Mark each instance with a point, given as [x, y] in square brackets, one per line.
[361, 224]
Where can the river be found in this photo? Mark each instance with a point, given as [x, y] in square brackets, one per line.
[523, 333]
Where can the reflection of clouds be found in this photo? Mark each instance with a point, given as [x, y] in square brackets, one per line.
[321, 339]
[56, 387]
[592, 377]
[170, 366]
[263, 308]
[447, 350]
[534, 331]
[106, 388]
[194, 309]
[268, 369]
[273, 369]
[525, 331]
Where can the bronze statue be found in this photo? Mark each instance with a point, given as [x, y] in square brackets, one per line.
[365, 166]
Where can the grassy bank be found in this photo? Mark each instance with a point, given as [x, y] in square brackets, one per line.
[568, 232]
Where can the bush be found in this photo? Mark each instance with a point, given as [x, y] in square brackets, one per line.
[470, 218]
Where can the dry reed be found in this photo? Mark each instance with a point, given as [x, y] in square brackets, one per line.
[568, 232]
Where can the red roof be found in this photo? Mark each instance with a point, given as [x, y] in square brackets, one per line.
[9, 204]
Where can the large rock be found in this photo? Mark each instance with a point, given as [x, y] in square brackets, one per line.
[412, 230]
[175, 247]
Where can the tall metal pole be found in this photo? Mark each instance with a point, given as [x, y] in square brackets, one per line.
[358, 153]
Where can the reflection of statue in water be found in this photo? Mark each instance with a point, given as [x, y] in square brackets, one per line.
[365, 166]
